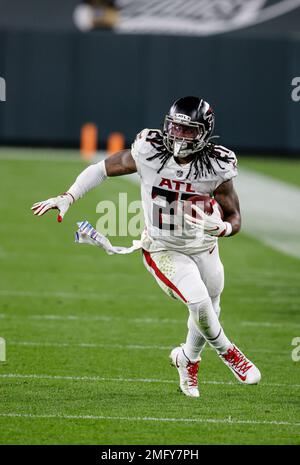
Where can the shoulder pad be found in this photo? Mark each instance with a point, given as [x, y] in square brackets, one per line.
[226, 161]
[143, 143]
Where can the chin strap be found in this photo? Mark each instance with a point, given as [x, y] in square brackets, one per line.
[210, 138]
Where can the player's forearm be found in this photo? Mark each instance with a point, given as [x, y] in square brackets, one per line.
[88, 179]
[235, 220]
[119, 164]
[227, 197]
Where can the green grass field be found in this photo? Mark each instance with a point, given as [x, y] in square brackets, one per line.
[88, 335]
[281, 169]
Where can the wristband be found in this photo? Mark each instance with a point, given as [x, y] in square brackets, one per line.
[228, 229]
[72, 198]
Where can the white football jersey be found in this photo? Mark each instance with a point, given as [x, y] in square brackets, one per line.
[166, 186]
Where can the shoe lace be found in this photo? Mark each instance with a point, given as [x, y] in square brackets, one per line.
[192, 369]
[237, 360]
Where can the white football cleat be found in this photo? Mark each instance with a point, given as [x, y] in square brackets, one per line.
[188, 372]
[242, 368]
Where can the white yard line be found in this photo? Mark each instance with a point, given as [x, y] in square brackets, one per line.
[227, 421]
[104, 318]
[85, 378]
[102, 296]
[129, 380]
[145, 320]
[269, 324]
[95, 345]
[88, 345]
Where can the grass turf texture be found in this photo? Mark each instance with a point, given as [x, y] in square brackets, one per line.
[283, 170]
[102, 300]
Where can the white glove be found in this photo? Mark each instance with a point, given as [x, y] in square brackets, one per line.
[213, 225]
[86, 234]
[61, 203]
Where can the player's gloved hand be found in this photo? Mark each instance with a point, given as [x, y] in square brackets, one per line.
[61, 203]
[212, 225]
[86, 234]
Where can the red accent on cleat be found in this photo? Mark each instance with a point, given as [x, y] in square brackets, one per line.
[192, 369]
[59, 219]
[237, 362]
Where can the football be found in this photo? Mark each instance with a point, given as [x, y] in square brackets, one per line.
[202, 201]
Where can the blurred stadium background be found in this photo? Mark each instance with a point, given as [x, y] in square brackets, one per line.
[86, 364]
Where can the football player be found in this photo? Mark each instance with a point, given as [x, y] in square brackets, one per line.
[174, 164]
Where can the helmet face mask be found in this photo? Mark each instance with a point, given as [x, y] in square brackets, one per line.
[187, 126]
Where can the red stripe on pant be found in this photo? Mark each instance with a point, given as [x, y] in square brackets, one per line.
[160, 275]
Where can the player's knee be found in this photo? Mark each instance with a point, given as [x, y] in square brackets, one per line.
[216, 305]
[199, 310]
[215, 282]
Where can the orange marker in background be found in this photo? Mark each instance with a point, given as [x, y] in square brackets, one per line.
[88, 141]
[115, 142]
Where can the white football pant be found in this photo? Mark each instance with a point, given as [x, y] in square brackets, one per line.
[197, 281]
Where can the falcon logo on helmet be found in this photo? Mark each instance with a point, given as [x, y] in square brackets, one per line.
[188, 126]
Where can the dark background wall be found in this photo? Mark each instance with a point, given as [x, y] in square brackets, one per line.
[58, 79]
